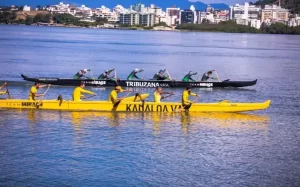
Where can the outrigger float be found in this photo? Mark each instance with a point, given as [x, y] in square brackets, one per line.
[130, 106]
[139, 83]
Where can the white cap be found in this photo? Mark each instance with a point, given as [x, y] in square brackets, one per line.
[85, 70]
[136, 70]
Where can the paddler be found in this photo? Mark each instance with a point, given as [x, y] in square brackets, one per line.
[113, 97]
[158, 94]
[188, 77]
[81, 74]
[208, 75]
[33, 91]
[2, 93]
[160, 75]
[186, 103]
[105, 75]
[78, 92]
[133, 75]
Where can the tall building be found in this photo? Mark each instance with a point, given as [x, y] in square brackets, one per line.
[245, 11]
[61, 8]
[139, 7]
[209, 9]
[274, 13]
[188, 16]
[129, 18]
[245, 14]
[172, 16]
[26, 8]
[147, 19]
[105, 12]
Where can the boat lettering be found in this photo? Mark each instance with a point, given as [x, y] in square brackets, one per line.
[31, 104]
[48, 79]
[146, 84]
[203, 84]
[95, 82]
[151, 108]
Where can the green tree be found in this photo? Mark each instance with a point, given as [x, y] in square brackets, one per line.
[7, 17]
[160, 24]
[29, 20]
[44, 18]
[65, 19]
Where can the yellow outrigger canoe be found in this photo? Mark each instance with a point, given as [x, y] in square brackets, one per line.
[130, 106]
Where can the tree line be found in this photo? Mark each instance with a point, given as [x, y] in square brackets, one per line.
[232, 27]
[9, 17]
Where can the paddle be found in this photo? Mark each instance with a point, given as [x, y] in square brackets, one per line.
[92, 75]
[171, 94]
[143, 75]
[187, 107]
[217, 75]
[9, 96]
[169, 74]
[116, 77]
[41, 100]
[126, 95]
[89, 97]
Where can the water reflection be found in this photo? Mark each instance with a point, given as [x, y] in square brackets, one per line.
[189, 122]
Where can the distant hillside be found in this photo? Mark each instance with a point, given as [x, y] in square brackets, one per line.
[293, 5]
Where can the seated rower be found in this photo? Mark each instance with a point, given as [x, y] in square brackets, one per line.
[105, 75]
[133, 75]
[158, 94]
[186, 103]
[207, 76]
[160, 75]
[2, 93]
[113, 97]
[33, 91]
[78, 92]
[80, 74]
[188, 77]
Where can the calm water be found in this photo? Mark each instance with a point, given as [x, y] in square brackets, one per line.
[50, 148]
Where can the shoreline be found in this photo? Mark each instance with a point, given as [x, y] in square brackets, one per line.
[142, 29]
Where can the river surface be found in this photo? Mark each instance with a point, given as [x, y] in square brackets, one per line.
[51, 148]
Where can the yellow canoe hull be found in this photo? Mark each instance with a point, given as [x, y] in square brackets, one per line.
[129, 106]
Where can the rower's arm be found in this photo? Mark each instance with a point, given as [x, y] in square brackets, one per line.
[111, 70]
[135, 76]
[191, 79]
[86, 91]
[193, 94]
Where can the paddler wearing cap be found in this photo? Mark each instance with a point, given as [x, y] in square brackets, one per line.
[2, 93]
[105, 75]
[78, 92]
[133, 75]
[34, 89]
[160, 75]
[188, 77]
[81, 73]
[186, 103]
[113, 97]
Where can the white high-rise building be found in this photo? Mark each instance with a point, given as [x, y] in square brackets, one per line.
[26, 8]
[245, 14]
[105, 12]
[172, 16]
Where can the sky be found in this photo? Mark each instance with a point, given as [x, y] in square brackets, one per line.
[108, 3]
